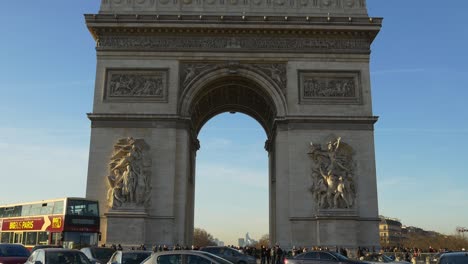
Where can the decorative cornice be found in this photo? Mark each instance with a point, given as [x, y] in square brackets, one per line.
[284, 120]
[144, 19]
[233, 34]
[263, 7]
[138, 121]
[100, 24]
[316, 218]
[330, 119]
[362, 123]
[134, 117]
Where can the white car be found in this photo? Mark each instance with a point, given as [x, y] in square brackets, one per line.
[57, 256]
[129, 257]
[184, 257]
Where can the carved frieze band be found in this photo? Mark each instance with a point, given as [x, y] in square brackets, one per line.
[139, 85]
[329, 87]
[263, 6]
[274, 72]
[241, 43]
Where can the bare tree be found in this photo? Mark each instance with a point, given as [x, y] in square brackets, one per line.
[436, 241]
[264, 241]
[201, 238]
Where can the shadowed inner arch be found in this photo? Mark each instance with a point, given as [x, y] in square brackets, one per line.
[233, 94]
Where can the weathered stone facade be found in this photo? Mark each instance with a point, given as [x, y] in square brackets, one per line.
[299, 67]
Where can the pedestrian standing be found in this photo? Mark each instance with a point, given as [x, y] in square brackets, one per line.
[268, 255]
[273, 254]
[279, 255]
[262, 255]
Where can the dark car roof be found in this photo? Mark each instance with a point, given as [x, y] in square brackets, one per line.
[135, 251]
[19, 250]
[215, 247]
[100, 248]
[459, 253]
[454, 257]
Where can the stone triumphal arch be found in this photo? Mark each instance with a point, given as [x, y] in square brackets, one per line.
[299, 67]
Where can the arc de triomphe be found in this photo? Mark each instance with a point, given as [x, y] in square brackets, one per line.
[299, 67]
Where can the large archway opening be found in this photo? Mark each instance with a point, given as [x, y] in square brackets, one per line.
[231, 190]
[233, 119]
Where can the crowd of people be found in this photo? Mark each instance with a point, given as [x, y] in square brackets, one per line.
[276, 254]
[415, 250]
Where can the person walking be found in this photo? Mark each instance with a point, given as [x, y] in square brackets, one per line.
[262, 255]
[268, 255]
[273, 254]
[279, 255]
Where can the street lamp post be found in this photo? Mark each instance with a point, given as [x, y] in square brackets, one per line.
[462, 231]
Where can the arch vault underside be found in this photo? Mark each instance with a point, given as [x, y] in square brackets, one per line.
[164, 70]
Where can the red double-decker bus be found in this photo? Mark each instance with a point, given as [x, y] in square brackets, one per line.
[70, 222]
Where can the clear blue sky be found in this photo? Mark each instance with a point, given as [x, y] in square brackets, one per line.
[420, 91]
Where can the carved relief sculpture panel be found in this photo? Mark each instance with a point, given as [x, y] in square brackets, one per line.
[333, 175]
[136, 85]
[129, 175]
[329, 87]
[274, 72]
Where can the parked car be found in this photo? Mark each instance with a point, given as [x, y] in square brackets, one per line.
[185, 257]
[230, 254]
[453, 258]
[13, 253]
[435, 258]
[99, 255]
[44, 246]
[213, 256]
[57, 256]
[321, 257]
[377, 258]
[129, 257]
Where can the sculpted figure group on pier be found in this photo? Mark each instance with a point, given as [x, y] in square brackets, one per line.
[129, 176]
[332, 175]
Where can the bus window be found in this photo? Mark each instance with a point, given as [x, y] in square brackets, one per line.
[79, 239]
[47, 208]
[5, 237]
[18, 237]
[12, 211]
[82, 207]
[30, 238]
[42, 238]
[26, 210]
[58, 207]
[56, 237]
[92, 209]
[36, 209]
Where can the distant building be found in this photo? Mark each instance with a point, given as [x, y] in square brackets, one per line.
[412, 230]
[390, 230]
[241, 242]
[218, 242]
[249, 241]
